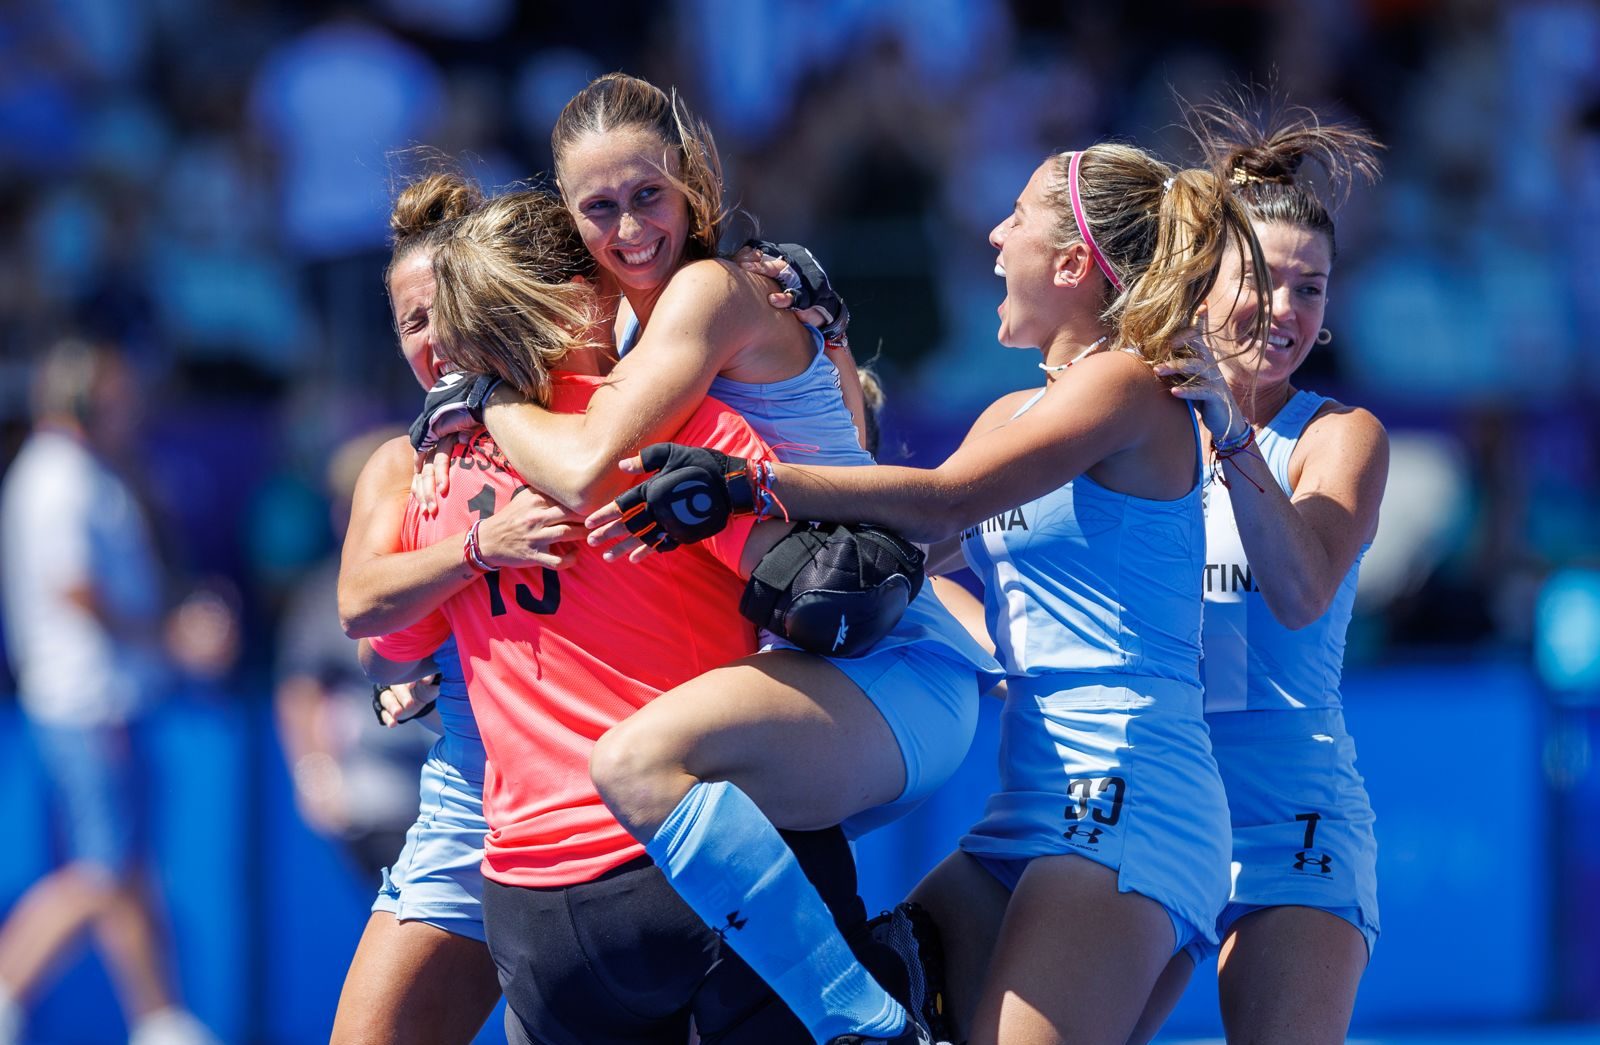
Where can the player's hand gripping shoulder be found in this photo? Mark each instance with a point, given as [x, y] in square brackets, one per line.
[1201, 383]
[806, 287]
[454, 404]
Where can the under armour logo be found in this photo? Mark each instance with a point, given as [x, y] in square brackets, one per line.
[735, 923]
[1091, 835]
[1306, 859]
[844, 629]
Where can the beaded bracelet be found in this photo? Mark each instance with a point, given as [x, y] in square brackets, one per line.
[1222, 451]
[762, 476]
[1226, 449]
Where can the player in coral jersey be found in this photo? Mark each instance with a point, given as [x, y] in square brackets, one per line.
[554, 659]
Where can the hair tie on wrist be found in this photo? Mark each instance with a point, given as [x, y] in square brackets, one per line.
[472, 553]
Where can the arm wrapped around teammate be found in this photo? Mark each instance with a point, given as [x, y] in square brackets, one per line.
[454, 404]
[835, 588]
[692, 496]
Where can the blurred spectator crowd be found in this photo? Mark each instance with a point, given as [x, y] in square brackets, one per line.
[206, 184]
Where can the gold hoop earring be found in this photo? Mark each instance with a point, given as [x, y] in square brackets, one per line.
[1324, 336]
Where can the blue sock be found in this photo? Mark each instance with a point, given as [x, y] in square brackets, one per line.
[731, 866]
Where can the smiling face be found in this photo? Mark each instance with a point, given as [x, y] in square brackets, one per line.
[633, 219]
[1028, 260]
[411, 290]
[1299, 261]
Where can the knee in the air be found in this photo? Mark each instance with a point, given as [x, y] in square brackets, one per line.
[625, 761]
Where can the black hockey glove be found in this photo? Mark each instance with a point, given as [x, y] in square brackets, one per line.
[808, 282]
[454, 404]
[692, 496]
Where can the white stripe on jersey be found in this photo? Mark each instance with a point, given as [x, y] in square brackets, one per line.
[1227, 664]
[1011, 629]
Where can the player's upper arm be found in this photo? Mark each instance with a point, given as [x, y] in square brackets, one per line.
[1000, 411]
[1078, 423]
[377, 519]
[378, 505]
[1343, 467]
[700, 321]
[855, 399]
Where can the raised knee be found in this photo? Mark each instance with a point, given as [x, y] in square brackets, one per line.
[628, 766]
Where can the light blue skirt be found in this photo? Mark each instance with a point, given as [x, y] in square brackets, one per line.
[1302, 822]
[436, 879]
[1116, 769]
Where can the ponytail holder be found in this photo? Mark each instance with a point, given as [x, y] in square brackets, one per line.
[1166, 186]
[1083, 224]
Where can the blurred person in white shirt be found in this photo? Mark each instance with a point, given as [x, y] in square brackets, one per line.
[87, 634]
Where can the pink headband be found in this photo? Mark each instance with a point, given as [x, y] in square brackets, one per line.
[1083, 224]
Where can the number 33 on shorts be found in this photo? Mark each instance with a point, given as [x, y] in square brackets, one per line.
[1094, 804]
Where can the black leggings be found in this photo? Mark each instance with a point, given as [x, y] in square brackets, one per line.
[622, 960]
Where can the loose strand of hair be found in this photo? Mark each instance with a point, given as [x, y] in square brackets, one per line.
[1261, 133]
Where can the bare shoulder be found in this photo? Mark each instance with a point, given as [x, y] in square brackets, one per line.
[1341, 441]
[393, 460]
[1001, 410]
[1110, 377]
[715, 284]
[1349, 427]
[1117, 367]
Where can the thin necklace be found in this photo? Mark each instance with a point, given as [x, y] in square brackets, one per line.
[1062, 366]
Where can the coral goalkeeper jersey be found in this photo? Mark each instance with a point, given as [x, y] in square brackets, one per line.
[553, 659]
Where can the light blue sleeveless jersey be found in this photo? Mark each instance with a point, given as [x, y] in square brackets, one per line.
[1094, 600]
[1252, 662]
[803, 418]
[1093, 582]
